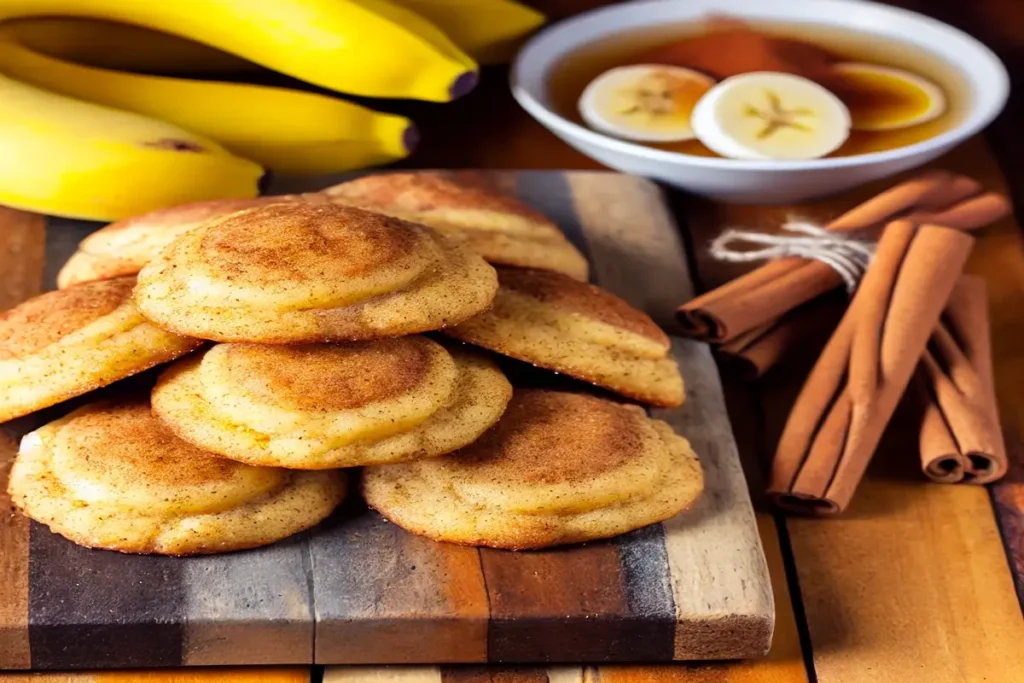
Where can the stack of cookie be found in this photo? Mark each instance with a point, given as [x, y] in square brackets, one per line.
[352, 328]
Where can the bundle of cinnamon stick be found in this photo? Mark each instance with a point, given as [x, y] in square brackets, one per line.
[913, 321]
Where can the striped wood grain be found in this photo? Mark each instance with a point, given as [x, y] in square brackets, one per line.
[383, 674]
[623, 226]
[784, 663]
[954, 579]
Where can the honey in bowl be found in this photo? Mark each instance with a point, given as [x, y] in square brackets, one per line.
[896, 94]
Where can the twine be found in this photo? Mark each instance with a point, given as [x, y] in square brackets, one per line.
[850, 258]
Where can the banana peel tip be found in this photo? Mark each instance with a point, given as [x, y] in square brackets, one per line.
[463, 84]
[411, 138]
[263, 184]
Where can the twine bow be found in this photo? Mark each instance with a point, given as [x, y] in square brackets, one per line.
[850, 258]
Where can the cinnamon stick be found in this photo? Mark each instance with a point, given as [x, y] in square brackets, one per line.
[803, 330]
[769, 291]
[754, 352]
[968, 214]
[960, 437]
[850, 394]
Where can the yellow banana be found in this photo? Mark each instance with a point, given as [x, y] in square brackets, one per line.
[365, 47]
[81, 160]
[103, 145]
[488, 30]
[288, 131]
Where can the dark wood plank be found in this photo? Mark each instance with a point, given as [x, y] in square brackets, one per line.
[22, 249]
[93, 609]
[62, 238]
[581, 604]
[193, 675]
[1008, 498]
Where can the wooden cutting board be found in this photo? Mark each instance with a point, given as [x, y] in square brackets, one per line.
[358, 590]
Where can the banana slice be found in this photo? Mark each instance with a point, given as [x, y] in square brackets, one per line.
[768, 115]
[644, 102]
[886, 98]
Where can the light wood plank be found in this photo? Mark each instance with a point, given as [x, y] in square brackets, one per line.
[382, 674]
[940, 607]
[999, 258]
[249, 608]
[910, 584]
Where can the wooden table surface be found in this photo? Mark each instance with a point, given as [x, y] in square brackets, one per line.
[917, 581]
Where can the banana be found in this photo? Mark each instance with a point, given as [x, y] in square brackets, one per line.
[769, 115]
[372, 48]
[70, 158]
[488, 30]
[644, 102]
[103, 145]
[288, 131]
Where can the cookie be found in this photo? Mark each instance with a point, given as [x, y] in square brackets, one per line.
[580, 330]
[498, 227]
[69, 342]
[325, 405]
[296, 273]
[110, 475]
[124, 247]
[558, 468]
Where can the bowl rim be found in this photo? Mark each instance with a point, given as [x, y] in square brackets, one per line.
[975, 121]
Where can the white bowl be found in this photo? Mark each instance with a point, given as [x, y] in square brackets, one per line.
[986, 86]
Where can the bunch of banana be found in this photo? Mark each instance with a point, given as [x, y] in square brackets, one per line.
[92, 127]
